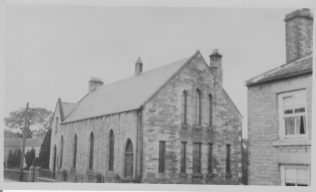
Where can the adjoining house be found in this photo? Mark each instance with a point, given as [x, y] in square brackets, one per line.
[172, 124]
[280, 111]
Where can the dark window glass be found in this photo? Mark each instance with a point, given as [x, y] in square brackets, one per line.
[111, 150]
[55, 156]
[61, 152]
[183, 156]
[211, 109]
[302, 125]
[288, 111]
[210, 157]
[75, 152]
[56, 125]
[300, 110]
[129, 159]
[198, 107]
[228, 173]
[162, 152]
[91, 151]
[196, 157]
[185, 95]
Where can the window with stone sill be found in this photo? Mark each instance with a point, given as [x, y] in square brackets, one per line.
[295, 175]
[292, 114]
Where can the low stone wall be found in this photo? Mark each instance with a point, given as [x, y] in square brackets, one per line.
[72, 176]
[14, 174]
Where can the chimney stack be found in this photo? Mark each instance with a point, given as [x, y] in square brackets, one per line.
[299, 34]
[94, 84]
[216, 65]
[138, 66]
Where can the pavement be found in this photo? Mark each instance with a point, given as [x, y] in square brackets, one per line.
[10, 180]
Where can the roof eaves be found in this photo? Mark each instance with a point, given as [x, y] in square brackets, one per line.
[280, 77]
[99, 116]
[252, 81]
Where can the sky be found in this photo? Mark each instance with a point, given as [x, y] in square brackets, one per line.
[53, 51]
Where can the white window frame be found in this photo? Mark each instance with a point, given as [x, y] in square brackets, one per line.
[283, 168]
[282, 115]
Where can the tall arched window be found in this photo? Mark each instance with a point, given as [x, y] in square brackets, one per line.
[129, 159]
[91, 150]
[184, 106]
[74, 162]
[111, 150]
[56, 125]
[61, 152]
[198, 107]
[55, 159]
[210, 97]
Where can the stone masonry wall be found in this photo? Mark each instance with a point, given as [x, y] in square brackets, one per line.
[124, 126]
[162, 120]
[299, 38]
[265, 150]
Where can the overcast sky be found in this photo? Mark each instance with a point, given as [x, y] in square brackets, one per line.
[52, 51]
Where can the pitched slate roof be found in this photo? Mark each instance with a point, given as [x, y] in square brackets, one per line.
[131, 93]
[67, 107]
[298, 67]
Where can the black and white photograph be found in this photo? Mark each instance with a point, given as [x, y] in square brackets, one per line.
[193, 95]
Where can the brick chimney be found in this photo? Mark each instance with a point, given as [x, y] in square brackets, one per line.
[138, 66]
[94, 83]
[299, 34]
[216, 65]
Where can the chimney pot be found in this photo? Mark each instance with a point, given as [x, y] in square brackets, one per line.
[138, 66]
[94, 84]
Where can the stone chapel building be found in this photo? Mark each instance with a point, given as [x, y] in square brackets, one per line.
[280, 111]
[172, 124]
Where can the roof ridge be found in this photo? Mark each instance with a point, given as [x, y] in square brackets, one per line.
[68, 102]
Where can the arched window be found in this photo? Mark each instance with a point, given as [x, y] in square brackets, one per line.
[184, 106]
[198, 107]
[54, 160]
[56, 125]
[129, 159]
[91, 150]
[61, 152]
[210, 97]
[74, 152]
[111, 151]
